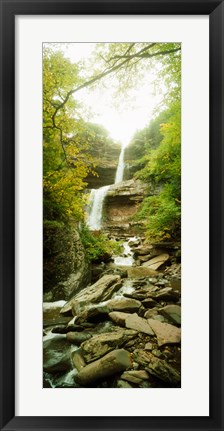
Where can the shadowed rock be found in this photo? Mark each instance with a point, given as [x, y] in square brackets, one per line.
[135, 376]
[78, 337]
[78, 360]
[93, 314]
[101, 344]
[112, 363]
[172, 312]
[124, 304]
[56, 354]
[157, 367]
[100, 291]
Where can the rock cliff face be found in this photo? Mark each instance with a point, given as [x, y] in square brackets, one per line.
[105, 175]
[65, 268]
[120, 206]
[106, 166]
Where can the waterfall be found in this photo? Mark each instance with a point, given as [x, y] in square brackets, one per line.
[97, 197]
[96, 204]
[120, 168]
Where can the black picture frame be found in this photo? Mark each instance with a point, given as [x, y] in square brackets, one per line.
[9, 9]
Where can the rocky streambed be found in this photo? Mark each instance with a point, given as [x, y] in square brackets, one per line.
[122, 331]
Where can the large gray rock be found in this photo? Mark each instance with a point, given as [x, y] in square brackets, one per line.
[51, 314]
[65, 267]
[56, 354]
[157, 261]
[93, 314]
[112, 363]
[166, 333]
[133, 321]
[101, 344]
[100, 291]
[124, 304]
[78, 337]
[157, 367]
[172, 312]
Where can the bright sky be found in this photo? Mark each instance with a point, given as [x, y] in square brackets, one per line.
[122, 122]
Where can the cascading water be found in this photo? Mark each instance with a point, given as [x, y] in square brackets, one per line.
[96, 204]
[97, 197]
[120, 167]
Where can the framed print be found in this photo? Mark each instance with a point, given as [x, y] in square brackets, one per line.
[108, 186]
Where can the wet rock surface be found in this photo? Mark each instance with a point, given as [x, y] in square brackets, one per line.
[117, 332]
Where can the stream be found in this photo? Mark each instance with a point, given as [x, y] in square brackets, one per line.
[120, 321]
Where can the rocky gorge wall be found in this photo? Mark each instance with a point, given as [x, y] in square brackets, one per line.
[65, 267]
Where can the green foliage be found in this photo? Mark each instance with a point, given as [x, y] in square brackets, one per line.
[161, 213]
[97, 245]
[72, 146]
[64, 164]
[102, 148]
[162, 216]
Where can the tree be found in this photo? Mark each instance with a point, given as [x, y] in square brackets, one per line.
[67, 137]
[161, 213]
[65, 159]
[118, 58]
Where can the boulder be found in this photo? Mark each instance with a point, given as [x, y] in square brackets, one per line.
[143, 250]
[140, 271]
[135, 376]
[112, 363]
[165, 294]
[101, 344]
[149, 303]
[77, 337]
[150, 314]
[135, 295]
[56, 354]
[62, 329]
[77, 360]
[133, 321]
[172, 312]
[166, 333]
[94, 314]
[157, 367]
[119, 317]
[157, 261]
[100, 291]
[124, 304]
[51, 313]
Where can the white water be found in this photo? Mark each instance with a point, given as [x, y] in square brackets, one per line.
[120, 167]
[96, 203]
[126, 259]
[97, 197]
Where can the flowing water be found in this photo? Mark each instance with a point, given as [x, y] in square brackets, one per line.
[97, 196]
[94, 221]
[120, 168]
[96, 207]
